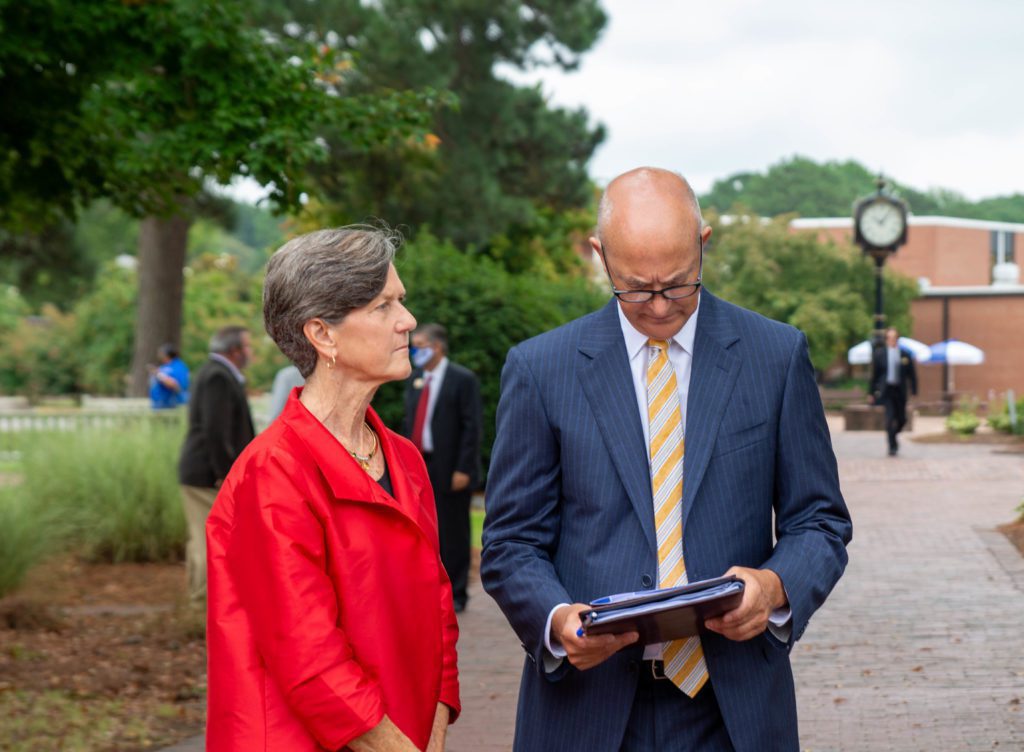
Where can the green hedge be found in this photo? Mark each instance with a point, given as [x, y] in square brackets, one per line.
[486, 310]
[1000, 419]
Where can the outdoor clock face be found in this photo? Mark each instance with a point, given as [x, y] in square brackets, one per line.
[881, 224]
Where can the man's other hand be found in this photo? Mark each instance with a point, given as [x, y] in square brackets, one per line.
[585, 652]
[762, 594]
[460, 481]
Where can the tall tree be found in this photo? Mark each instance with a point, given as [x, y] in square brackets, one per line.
[823, 288]
[800, 185]
[145, 102]
[500, 159]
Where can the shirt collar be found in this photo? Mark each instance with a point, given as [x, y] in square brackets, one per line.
[438, 373]
[231, 366]
[636, 340]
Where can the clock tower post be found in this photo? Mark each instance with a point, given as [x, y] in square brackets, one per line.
[879, 228]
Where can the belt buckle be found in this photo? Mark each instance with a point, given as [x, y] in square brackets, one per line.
[654, 670]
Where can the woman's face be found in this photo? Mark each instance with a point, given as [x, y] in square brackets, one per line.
[373, 341]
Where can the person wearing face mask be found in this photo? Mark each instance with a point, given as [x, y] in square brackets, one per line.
[443, 420]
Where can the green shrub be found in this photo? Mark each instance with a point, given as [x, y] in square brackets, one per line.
[37, 355]
[999, 418]
[486, 310]
[115, 489]
[25, 537]
[963, 422]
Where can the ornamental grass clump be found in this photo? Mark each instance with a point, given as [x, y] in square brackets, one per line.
[115, 489]
[25, 537]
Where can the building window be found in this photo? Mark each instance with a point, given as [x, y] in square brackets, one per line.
[1001, 244]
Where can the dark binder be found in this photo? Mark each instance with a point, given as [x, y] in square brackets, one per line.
[666, 614]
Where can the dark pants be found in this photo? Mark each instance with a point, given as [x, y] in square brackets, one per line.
[895, 402]
[666, 720]
[452, 529]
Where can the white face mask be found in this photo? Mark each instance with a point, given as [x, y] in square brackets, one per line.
[422, 355]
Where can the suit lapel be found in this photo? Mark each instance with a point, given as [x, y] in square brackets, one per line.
[446, 396]
[712, 378]
[608, 385]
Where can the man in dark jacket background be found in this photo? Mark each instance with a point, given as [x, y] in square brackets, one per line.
[892, 377]
[219, 428]
[443, 419]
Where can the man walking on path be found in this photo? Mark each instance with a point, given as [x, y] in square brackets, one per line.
[892, 377]
[443, 419]
[219, 428]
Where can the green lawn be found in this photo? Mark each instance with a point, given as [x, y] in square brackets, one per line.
[476, 526]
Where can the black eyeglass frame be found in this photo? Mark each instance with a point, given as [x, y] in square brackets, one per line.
[665, 292]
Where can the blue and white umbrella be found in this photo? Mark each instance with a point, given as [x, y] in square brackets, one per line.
[956, 353]
[860, 354]
[953, 352]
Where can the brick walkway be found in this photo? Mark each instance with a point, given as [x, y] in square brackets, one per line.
[920, 647]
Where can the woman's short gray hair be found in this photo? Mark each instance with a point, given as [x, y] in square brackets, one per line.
[323, 274]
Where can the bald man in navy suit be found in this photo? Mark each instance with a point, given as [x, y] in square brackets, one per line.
[570, 497]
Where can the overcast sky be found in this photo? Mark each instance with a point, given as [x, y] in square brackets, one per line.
[931, 93]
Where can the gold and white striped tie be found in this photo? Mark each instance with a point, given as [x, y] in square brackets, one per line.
[684, 659]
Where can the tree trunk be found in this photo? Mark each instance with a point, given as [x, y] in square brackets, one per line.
[162, 244]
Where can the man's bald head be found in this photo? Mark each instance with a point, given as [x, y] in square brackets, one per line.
[648, 189]
[651, 238]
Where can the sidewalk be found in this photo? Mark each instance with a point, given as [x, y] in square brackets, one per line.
[920, 647]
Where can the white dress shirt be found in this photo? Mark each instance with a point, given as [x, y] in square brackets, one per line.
[892, 374]
[435, 379]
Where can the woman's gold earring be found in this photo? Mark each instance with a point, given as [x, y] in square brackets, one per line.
[333, 363]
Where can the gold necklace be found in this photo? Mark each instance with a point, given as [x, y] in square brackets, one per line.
[364, 461]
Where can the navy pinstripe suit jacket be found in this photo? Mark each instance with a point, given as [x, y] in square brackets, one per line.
[570, 516]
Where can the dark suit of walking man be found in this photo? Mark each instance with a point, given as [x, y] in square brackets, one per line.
[571, 495]
[219, 428]
[442, 417]
[893, 376]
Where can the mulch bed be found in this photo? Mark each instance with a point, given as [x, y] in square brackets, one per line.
[1006, 442]
[100, 657]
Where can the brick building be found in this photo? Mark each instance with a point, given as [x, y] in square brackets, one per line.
[970, 290]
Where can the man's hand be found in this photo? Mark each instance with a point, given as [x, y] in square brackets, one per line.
[460, 481]
[762, 594]
[585, 652]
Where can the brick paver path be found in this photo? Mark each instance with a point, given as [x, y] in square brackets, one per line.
[920, 647]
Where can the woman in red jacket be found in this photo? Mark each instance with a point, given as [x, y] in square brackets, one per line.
[330, 616]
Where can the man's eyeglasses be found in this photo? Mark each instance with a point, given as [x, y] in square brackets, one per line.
[675, 292]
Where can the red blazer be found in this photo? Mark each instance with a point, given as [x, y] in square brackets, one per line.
[328, 604]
